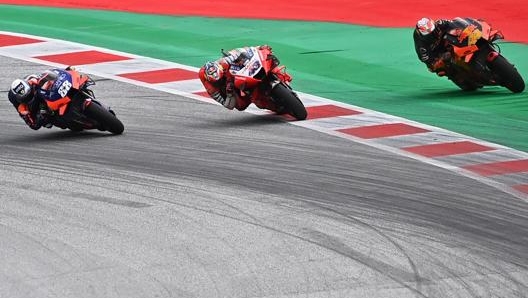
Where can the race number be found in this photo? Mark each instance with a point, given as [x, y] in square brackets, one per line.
[64, 88]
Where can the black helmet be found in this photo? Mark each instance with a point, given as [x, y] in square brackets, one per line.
[22, 90]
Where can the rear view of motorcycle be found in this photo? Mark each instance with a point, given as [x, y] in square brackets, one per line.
[71, 104]
[475, 59]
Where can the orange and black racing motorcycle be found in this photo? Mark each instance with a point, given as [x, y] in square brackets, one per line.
[71, 104]
[475, 58]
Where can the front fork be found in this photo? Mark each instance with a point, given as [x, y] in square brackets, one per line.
[89, 96]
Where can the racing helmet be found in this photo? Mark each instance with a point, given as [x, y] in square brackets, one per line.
[425, 26]
[213, 71]
[22, 90]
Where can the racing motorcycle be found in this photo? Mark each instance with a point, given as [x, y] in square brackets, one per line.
[70, 104]
[260, 77]
[474, 60]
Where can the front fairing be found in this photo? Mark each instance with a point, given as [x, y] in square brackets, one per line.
[465, 36]
[57, 87]
[251, 72]
[464, 32]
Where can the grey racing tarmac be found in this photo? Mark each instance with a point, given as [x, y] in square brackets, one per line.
[194, 200]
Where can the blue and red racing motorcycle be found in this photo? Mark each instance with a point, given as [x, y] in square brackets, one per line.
[70, 104]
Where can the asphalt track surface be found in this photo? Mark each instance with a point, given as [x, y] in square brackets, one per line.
[197, 201]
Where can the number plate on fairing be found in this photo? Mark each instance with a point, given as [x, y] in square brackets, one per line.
[59, 88]
[251, 66]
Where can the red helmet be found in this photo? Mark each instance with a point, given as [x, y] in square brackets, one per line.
[425, 26]
[213, 71]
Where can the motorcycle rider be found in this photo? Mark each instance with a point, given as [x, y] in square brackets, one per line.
[219, 83]
[429, 44]
[30, 106]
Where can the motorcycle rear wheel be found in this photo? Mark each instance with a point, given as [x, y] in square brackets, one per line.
[286, 97]
[105, 118]
[508, 74]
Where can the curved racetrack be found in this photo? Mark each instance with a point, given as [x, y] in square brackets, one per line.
[197, 201]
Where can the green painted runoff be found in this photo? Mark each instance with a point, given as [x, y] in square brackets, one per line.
[374, 68]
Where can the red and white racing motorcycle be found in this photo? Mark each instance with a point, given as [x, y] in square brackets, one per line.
[261, 78]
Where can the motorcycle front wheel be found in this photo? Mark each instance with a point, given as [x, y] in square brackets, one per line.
[507, 73]
[286, 97]
[107, 120]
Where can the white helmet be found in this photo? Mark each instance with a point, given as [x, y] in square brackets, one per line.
[425, 26]
[22, 90]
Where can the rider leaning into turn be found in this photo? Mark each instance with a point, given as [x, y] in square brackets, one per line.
[29, 105]
[428, 42]
[219, 82]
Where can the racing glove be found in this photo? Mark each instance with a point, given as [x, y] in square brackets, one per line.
[25, 114]
[42, 119]
[438, 67]
[230, 100]
[441, 63]
[230, 86]
[32, 123]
